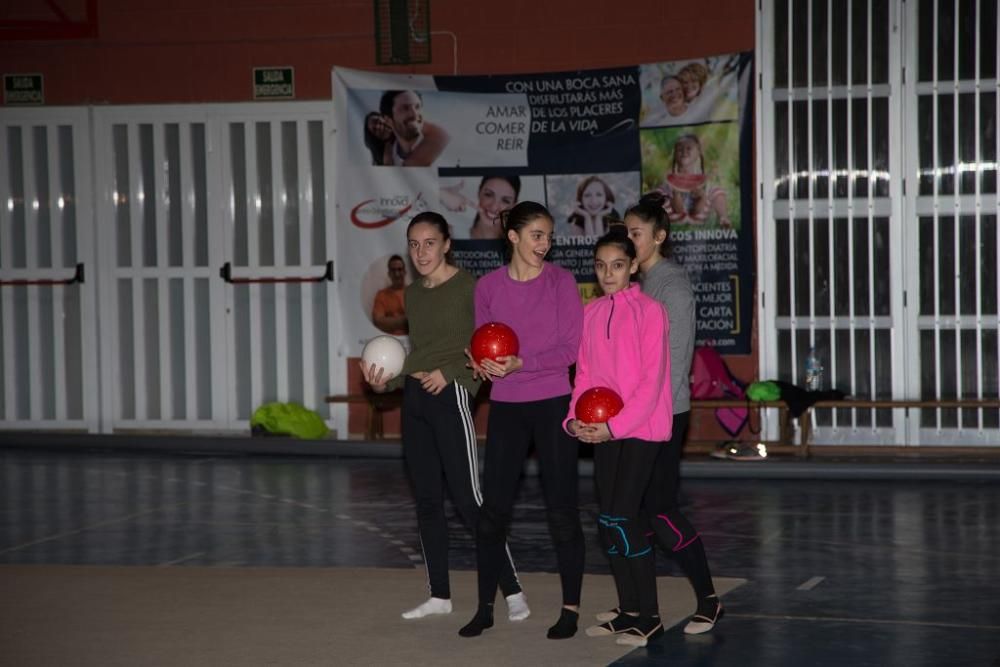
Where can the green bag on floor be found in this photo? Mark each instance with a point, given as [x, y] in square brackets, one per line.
[764, 391]
[288, 419]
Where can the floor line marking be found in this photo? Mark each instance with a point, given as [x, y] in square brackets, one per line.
[181, 559]
[87, 527]
[883, 621]
[809, 584]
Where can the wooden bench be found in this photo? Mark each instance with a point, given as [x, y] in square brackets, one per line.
[785, 444]
[805, 420]
[377, 404]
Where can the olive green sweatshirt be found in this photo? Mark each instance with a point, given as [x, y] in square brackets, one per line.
[441, 321]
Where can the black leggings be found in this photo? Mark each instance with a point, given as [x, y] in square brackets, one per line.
[439, 447]
[660, 514]
[622, 470]
[673, 531]
[512, 428]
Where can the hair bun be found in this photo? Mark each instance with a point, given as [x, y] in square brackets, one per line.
[655, 198]
[617, 231]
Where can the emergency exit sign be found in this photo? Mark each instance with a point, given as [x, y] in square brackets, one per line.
[273, 83]
[23, 89]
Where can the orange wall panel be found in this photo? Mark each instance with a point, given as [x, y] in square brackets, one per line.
[154, 51]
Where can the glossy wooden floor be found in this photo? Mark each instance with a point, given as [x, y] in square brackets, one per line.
[839, 573]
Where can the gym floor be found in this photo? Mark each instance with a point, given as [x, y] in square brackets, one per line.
[863, 572]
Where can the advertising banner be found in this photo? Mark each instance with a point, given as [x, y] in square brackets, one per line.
[586, 144]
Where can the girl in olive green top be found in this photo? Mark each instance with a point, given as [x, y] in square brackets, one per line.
[439, 437]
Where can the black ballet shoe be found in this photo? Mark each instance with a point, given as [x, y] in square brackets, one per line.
[708, 614]
[565, 627]
[483, 620]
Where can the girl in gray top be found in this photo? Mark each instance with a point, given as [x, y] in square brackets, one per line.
[667, 282]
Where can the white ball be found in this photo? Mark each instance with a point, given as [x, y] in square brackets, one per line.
[385, 352]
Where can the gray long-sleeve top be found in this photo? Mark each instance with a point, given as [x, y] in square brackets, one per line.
[668, 283]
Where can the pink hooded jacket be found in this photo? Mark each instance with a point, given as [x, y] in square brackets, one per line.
[625, 347]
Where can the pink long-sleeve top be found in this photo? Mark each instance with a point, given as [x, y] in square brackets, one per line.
[625, 346]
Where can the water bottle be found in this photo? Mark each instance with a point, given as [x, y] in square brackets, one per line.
[814, 371]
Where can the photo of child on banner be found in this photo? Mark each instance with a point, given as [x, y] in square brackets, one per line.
[698, 170]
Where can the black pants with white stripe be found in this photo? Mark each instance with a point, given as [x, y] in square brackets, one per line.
[439, 446]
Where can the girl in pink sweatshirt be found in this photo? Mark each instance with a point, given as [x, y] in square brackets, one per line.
[625, 348]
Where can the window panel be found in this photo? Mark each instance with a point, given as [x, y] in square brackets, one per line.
[967, 39]
[800, 44]
[16, 206]
[859, 145]
[67, 178]
[265, 190]
[988, 264]
[317, 192]
[946, 144]
[43, 197]
[174, 196]
[800, 139]
[967, 265]
[838, 30]
[840, 147]
[238, 196]
[146, 192]
[880, 146]
[991, 371]
[783, 267]
[781, 161]
[925, 40]
[290, 191]
[820, 44]
[122, 192]
[988, 39]
[781, 44]
[802, 265]
[880, 45]
[945, 39]
[862, 264]
[842, 278]
[821, 270]
[859, 41]
[987, 132]
[821, 157]
[200, 194]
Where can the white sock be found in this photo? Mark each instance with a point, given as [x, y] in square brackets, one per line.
[431, 606]
[517, 607]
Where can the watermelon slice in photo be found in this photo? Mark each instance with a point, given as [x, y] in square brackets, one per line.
[686, 182]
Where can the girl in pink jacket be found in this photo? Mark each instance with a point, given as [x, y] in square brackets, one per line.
[625, 348]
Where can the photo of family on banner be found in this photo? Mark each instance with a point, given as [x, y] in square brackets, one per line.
[586, 144]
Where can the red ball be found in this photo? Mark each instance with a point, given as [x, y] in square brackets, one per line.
[493, 340]
[597, 405]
